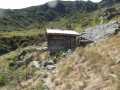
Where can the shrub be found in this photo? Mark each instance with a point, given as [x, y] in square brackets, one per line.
[58, 54]
[11, 64]
[2, 80]
[3, 48]
[14, 46]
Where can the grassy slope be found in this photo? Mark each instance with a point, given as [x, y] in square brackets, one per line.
[90, 68]
[31, 32]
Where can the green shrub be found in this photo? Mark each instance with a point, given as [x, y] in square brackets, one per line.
[3, 48]
[2, 80]
[14, 46]
[58, 54]
[11, 64]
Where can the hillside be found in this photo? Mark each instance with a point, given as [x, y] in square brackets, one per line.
[93, 67]
[36, 16]
[25, 63]
[41, 16]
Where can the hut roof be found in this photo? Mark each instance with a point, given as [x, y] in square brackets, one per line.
[61, 32]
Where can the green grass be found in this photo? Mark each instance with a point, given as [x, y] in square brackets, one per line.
[32, 32]
[65, 69]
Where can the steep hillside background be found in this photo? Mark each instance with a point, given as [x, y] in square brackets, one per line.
[70, 13]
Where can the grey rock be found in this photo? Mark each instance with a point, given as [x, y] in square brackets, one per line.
[87, 23]
[44, 49]
[69, 51]
[19, 63]
[64, 54]
[48, 62]
[41, 49]
[24, 62]
[35, 64]
[99, 33]
[110, 13]
[51, 67]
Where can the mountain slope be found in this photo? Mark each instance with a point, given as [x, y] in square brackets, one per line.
[106, 3]
[33, 16]
[40, 16]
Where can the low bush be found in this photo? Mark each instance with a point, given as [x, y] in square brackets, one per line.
[2, 80]
[11, 64]
[3, 48]
[58, 54]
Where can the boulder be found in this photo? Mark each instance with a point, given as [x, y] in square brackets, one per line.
[85, 24]
[98, 33]
[26, 61]
[64, 54]
[48, 62]
[42, 49]
[69, 51]
[51, 67]
[35, 64]
[19, 63]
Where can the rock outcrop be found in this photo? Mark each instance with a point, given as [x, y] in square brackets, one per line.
[110, 13]
[48, 62]
[99, 33]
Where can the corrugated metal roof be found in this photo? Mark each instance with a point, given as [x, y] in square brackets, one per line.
[61, 32]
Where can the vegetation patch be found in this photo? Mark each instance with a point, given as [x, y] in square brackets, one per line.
[66, 69]
[3, 80]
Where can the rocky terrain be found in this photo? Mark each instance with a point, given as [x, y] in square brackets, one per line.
[110, 12]
[99, 33]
